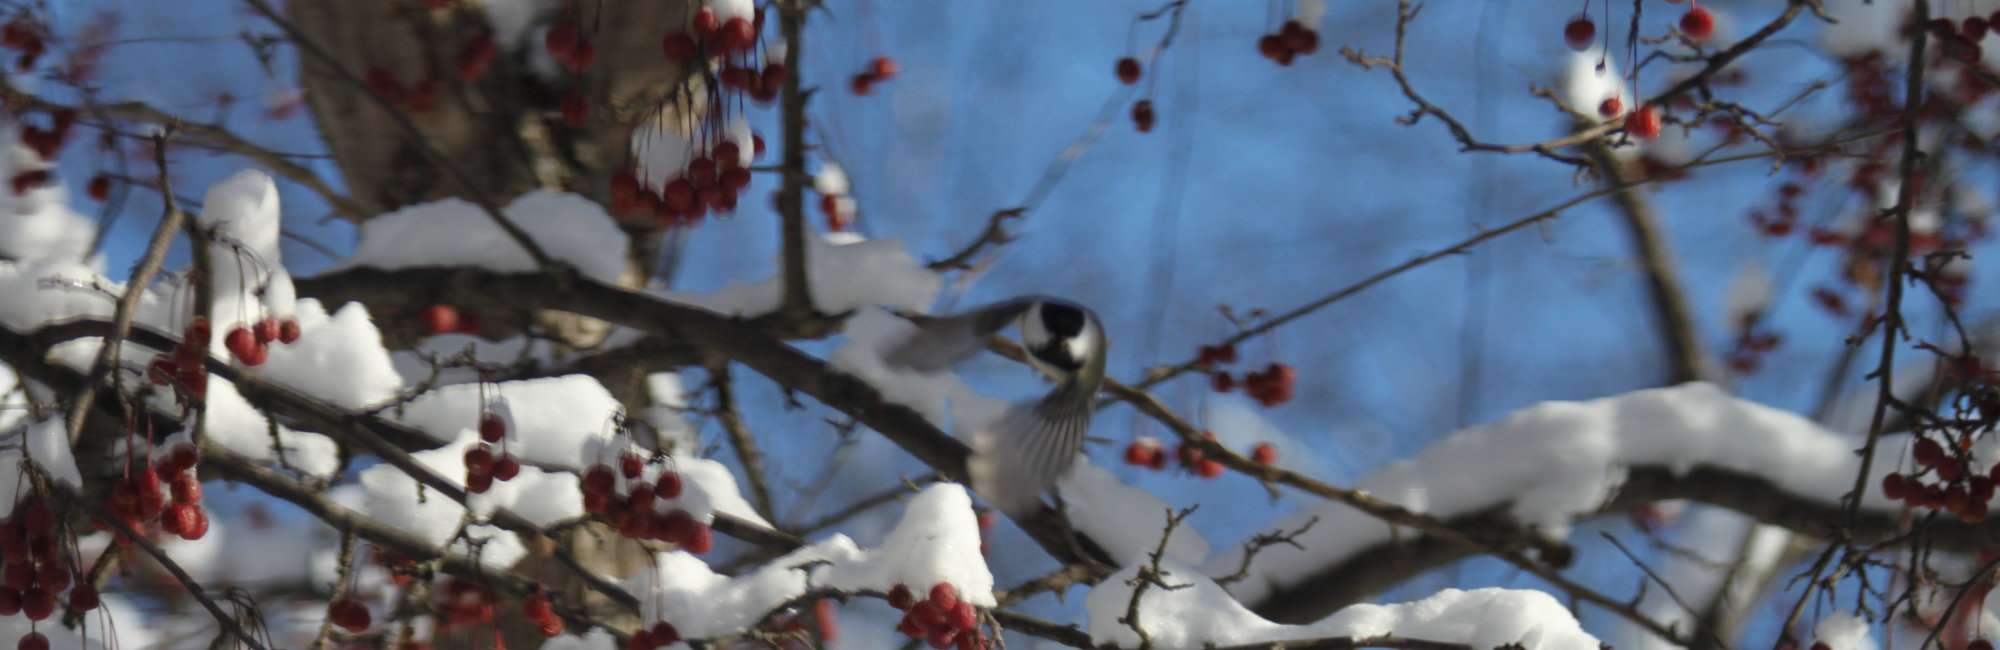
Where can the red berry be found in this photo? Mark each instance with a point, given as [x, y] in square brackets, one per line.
[33, 641]
[630, 464]
[736, 178]
[506, 468]
[678, 46]
[901, 598]
[350, 614]
[963, 617]
[1264, 453]
[1299, 40]
[266, 330]
[1579, 32]
[1142, 115]
[186, 488]
[1272, 46]
[37, 603]
[1644, 123]
[700, 540]
[99, 188]
[1698, 23]
[1892, 487]
[1142, 451]
[536, 607]
[1222, 382]
[677, 527]
[10, 602]
[705, 22]
[669, 486]
[492, 428]
[737, 34]
[1128, 70]
[883, 68]
[479, 460]
[942, 637]
[911, 626]
[640, 640]
[861, 85]
[1927, 452]
[1975, 29]
[84, 597]
[1208, 468]
[181, 457]
[240, 341]
[943, 596]
[257, 356]
[197, 525]
[288, 331]
[1610, 107]
[52, 577]
[441, 319]
[599, 479]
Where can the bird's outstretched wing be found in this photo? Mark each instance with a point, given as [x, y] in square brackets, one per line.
[1020, 455]
[945, 341]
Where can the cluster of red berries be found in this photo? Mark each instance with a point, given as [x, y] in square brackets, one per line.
[1786, 221]
[445, 319]
[541, 611]
[1961, 38]
[1292, 40]
[1272, 386]
[182, 367]
[879, 69]
[636, 513]
[1643, 123]
[419, 97]
[711, 182]
[761, 85]
[660, 635]
[1959, 488]
[138, 498]
[39, 566]
[24, 36]
[943, 620]
[46, 142]
[1149, 453]
[482, 468]
[719, 36]
[350, 615]
[251, 344]
[475, 57]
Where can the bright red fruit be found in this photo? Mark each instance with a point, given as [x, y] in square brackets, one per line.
[99, 188]
[944, 596]
[706, 22]
[266, 330]
[350, 614]
[883, 68]
[288, 331]
[1128, 70]
[1579, 32]
[479, 460]
[1142, 115]
[492, 428]
[630, 464]
[1644, 123]
[506, 468]
[1698, 23]
[1264, 453]
[669, 486]
[561, 41]
[441, 319]
[240, 341]
[187, 488]
[1610, 107]
[33, 641]
[901, 598]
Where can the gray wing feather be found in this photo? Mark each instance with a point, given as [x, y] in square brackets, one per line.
[1026, 451]
[945, 341]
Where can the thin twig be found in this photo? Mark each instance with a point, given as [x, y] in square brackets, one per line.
[135, 288]
[743, 440]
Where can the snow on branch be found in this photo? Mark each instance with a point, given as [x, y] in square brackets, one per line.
[1547, 465]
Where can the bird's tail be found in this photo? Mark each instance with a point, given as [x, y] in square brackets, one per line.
[1020, 455]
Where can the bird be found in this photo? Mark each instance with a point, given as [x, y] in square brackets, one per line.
[1020, 455]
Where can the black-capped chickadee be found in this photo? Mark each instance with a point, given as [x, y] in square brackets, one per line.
[1028, 448]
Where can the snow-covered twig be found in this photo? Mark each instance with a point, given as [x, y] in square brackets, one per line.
[1151, 575]
[1259, 542]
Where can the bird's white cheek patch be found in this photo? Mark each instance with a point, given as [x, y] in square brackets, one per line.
[1079, 346]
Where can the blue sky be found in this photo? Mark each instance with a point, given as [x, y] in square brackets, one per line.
[1296, 181]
